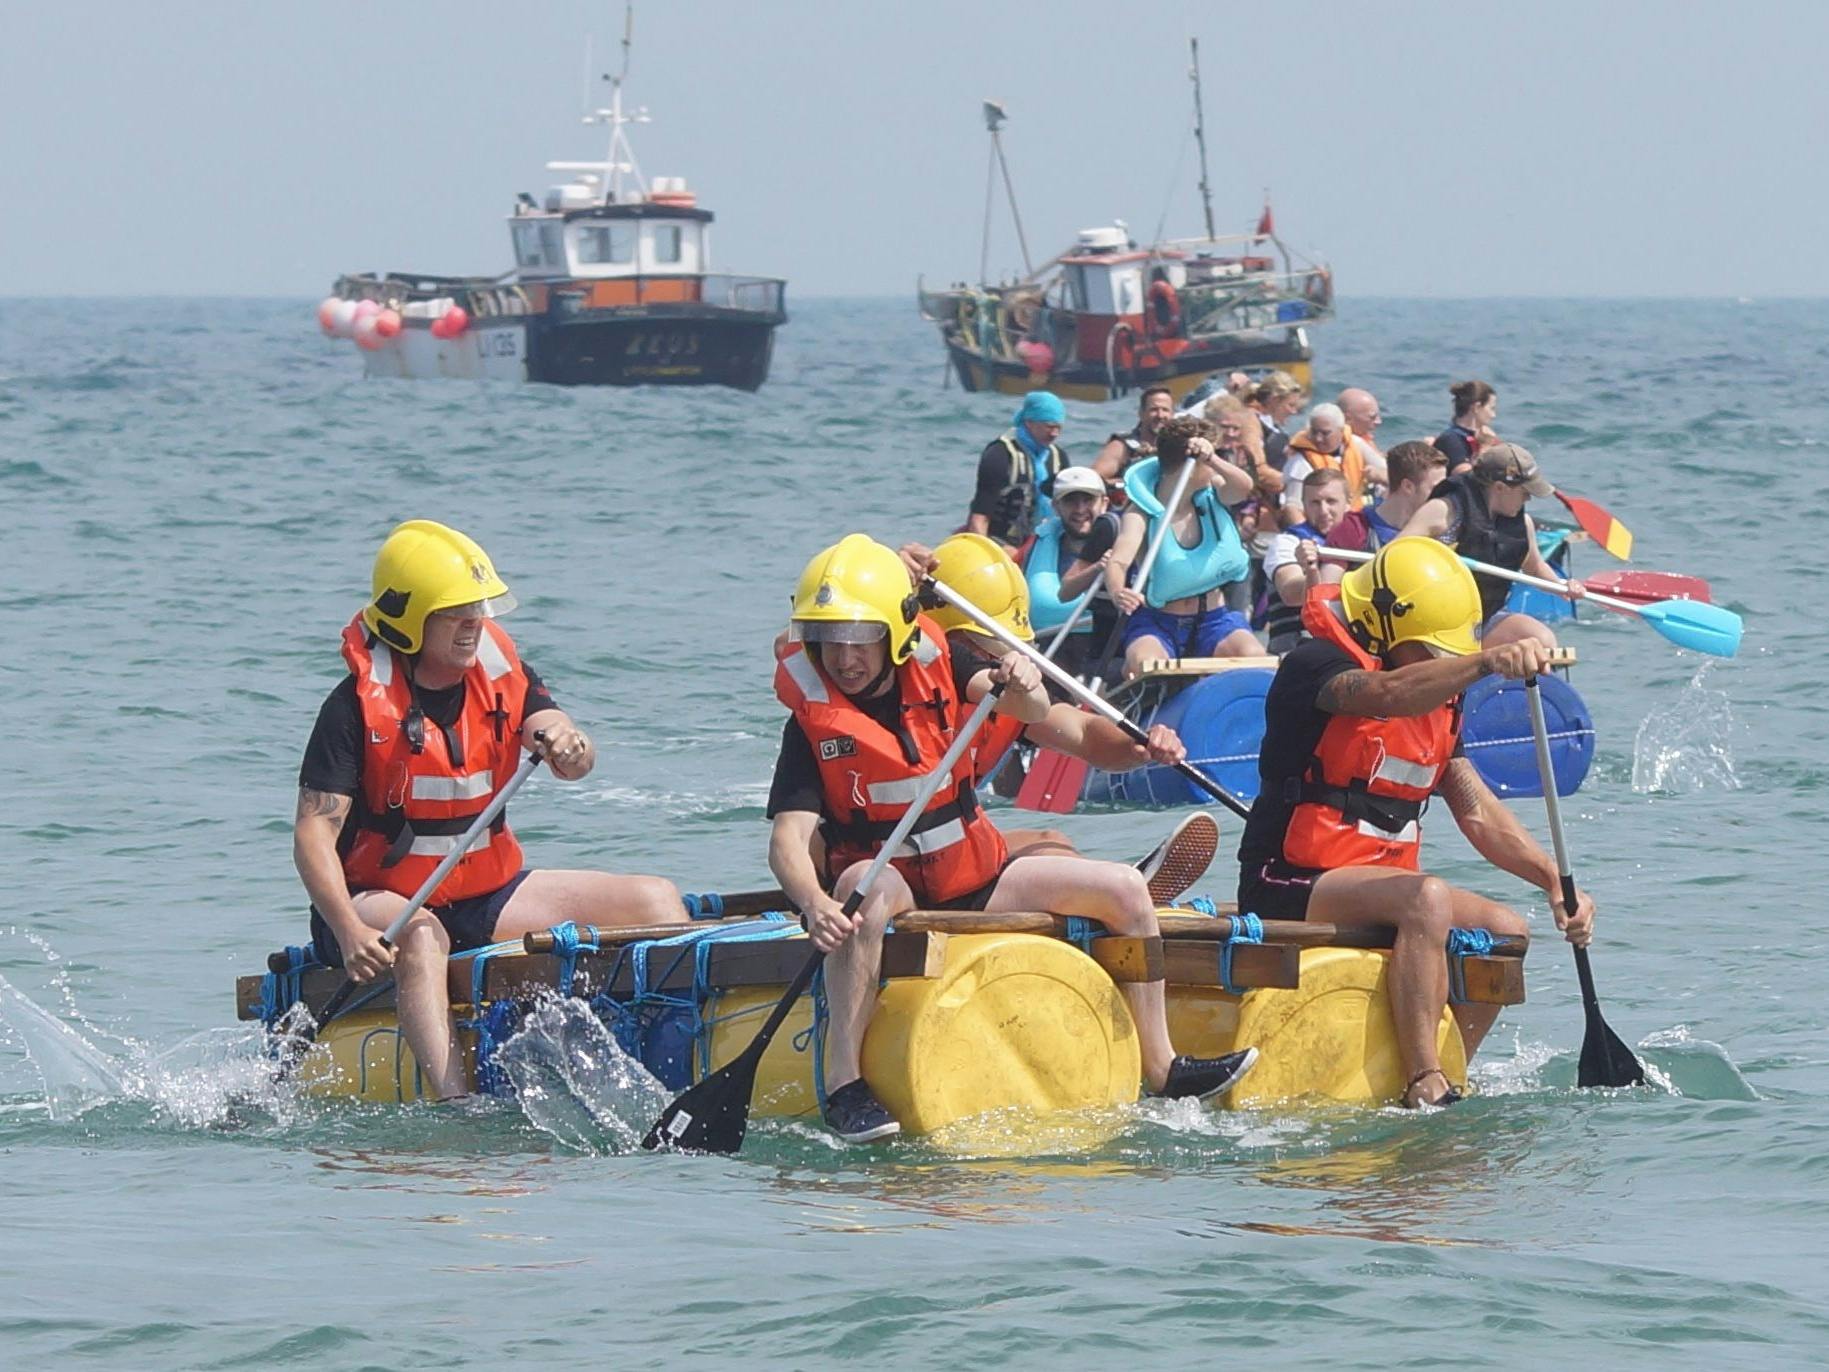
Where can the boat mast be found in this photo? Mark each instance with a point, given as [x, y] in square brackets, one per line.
[619, 162]
[994, 116]
[1200, 137]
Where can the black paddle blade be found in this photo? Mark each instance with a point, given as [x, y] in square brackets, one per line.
[1605, 1061]
[711, 1116]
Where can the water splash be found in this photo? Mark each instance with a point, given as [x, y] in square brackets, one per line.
[62, 1065]
[1687, 744]
[574, 1081]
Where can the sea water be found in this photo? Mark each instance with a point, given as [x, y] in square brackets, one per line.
[193, 491]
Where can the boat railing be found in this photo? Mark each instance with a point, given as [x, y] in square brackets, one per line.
[1257, 300]
[760, 294]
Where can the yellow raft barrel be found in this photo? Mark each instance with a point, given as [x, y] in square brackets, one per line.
[978, 1014]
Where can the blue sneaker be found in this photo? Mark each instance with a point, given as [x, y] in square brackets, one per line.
[855, 1114]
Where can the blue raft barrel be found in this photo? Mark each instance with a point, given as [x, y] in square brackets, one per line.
[1220, 718]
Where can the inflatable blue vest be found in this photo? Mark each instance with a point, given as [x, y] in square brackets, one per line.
[1217, 560]
[1047, 611]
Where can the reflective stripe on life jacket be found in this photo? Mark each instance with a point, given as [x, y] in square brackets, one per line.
[423, 784]
[1475, 531]
[868, 773]
[1217, 560]
[1361, 800]
[1020, 498]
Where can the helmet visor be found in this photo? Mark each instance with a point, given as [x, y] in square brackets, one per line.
[836, 631]
[492, 607]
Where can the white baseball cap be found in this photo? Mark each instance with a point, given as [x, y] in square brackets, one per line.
[1078, 481]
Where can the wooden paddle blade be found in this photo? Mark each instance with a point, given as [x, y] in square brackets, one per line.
[1053, 784]
[1600, 526]
[1694, 624]
[711, 1116]
[1605, 1060]
[1644, 587]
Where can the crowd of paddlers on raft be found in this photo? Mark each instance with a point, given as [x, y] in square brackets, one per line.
[877, 676]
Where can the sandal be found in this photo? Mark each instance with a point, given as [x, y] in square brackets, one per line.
[1448, 1097]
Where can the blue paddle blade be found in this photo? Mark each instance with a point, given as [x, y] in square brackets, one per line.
[1497, 737]
[1693, 624]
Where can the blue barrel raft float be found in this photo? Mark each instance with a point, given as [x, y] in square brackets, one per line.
[979, 1014]
[1216, 705]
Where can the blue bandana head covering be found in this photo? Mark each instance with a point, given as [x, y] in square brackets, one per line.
[1044, 407]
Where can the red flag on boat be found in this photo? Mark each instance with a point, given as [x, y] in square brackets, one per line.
[1266, 226]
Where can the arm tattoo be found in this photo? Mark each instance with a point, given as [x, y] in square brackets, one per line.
[1461, 788]
[315, 803]
[1348, 693]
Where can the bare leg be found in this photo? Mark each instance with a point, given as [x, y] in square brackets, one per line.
[1239, 643]
[1038, 843]
[852, 970]
[421, 993]
[1474, 911]
[1117, 897]
[1144, 648]
[1419, 909]
[1518, 626]
[553, 896]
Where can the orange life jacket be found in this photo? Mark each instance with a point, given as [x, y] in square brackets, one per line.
[423, 786]
[869, 773]
[1360, 803]
[1349, 462]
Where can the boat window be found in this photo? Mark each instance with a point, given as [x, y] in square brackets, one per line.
[1075, 277]
[605, 243]
[527, 245]
[552, 245]
[666, 242]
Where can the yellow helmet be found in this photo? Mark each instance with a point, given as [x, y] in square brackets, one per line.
[425, 567]
[979, 569]
[856, 591]
[1415, 591]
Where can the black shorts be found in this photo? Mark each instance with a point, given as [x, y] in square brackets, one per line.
[470, 922]
[1275, 890]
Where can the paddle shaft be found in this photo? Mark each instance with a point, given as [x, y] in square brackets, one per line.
[1141, 580]
[1505, 574]
[930, 784]
[1086, 695]
[496, 804]
[1553, 804]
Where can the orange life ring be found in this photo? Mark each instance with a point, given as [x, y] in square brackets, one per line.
[1162, 311]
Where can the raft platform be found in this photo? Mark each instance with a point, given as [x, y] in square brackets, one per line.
[978, 1013]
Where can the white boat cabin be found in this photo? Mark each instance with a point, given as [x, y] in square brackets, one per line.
[664, 234]
[1105, 274]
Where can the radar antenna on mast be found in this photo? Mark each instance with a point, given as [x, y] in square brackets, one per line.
[619, 162]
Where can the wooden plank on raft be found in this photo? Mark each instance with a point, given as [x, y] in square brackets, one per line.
[1493, 980]
[1276, 966]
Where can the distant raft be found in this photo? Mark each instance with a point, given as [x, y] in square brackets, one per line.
[979, 1015]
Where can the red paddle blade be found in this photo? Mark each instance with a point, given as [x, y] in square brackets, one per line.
[1642, 588]
[1054, 783]
[1599, 525]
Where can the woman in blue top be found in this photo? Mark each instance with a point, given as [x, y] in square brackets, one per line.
[1182, 612]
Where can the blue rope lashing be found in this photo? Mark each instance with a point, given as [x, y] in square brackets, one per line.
[280, 991]
[707, 906]
[1201, 905]
[1082, 931]
[566, 944]
[814, 1036]
[1246, 928]
[494, 1026]
[1462, 944]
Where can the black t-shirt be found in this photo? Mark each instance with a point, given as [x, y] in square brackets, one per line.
[333, 754]
[1293, 725]
[994, 476]
[1098, 541]
[1456, 444]
[796, 781]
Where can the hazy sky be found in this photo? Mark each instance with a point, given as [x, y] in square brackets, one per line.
[262, 147]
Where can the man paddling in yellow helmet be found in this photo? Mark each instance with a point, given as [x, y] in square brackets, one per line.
[1362, 726]
[981, 571]
[869, 683]
[408, 749]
